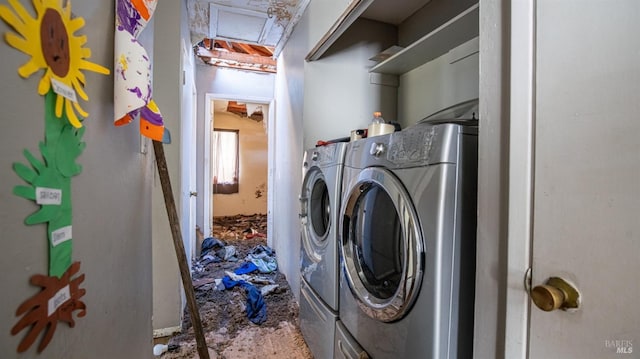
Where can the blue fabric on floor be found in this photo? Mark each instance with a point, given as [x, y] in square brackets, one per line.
[264, 258]
[264, 265]
[230, 283]
[210, 244]
[247, 267]
[256, 307]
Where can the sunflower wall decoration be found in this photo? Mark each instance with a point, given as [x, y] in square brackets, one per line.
[50, 41]
[132, 80]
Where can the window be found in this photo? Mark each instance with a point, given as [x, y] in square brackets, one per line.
[225, 161]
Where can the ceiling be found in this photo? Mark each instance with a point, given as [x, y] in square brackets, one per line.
[259, 22]
[253, 111]
[249, 34]
[236, 55]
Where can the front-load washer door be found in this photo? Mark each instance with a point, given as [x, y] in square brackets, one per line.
[316, 214]
[381, 245]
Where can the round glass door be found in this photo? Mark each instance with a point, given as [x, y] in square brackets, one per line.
[319, 208]
[317, 211]
[381, 245]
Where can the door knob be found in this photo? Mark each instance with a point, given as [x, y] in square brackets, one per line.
[556, 293]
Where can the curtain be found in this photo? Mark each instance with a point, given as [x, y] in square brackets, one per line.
[225, 161]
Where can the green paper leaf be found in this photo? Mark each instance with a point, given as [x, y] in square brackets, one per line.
[24, 172]
[25, 192]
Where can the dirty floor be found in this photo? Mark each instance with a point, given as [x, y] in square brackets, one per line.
[228, 332]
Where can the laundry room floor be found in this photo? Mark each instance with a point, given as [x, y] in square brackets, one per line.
[229, 334]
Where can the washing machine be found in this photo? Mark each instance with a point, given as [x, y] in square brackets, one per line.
[407, 243]
[319, 211]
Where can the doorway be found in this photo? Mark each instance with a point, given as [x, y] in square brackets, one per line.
[250, 120]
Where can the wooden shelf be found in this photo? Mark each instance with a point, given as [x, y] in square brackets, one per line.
[454, 32]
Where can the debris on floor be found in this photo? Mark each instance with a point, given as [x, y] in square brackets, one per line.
[240, 226]
[246, 306]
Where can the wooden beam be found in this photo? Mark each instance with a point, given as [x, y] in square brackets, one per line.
[239, 66]
[224, 45]
[247, 49]
[234, 56]
[243, 58]
[174, 223]
[238, 109]
[263, 50]
[208, 44]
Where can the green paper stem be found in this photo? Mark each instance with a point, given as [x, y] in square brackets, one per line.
[61, 147]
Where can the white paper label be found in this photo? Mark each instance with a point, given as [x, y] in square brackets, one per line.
[61, 235]
[59, 299]
[48, 195]
[64, 90]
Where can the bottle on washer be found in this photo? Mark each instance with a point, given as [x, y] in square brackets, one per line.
[378, 126]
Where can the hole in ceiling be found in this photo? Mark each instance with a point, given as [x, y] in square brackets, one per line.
[238, 55]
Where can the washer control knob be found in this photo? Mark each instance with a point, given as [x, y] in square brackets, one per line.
[377, 149]
[314, 156]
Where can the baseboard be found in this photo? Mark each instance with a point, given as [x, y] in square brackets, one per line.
[165, 332]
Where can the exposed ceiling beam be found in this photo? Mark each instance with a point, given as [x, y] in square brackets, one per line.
[247, 49]
[234, 56]
[224, 45]
[237, 55]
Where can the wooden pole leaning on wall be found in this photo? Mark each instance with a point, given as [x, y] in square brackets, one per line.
[174, 223]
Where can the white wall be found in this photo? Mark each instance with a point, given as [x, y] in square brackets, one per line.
[445, 81]
[338, 94]
[253, 166]
[289, 87]
[111, 210]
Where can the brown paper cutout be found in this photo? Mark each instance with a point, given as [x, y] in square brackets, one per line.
[34, 310]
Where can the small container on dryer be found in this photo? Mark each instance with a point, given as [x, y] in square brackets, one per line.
[378, 126]
[358, 134]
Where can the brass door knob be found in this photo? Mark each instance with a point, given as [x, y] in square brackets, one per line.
[556, 293]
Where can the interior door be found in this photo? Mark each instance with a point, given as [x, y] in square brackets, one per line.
[586, 175]
[188, 154]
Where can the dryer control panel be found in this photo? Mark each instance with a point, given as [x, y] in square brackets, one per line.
[419, 145]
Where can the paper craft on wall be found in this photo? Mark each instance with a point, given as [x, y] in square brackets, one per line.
[50, 41]
[132, 80]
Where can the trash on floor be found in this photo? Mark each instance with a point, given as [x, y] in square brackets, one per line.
[229, 332]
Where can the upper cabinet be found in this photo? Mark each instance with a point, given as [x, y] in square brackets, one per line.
[427, 29]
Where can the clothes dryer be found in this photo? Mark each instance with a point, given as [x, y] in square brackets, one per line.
[319, 211]
[407, 239]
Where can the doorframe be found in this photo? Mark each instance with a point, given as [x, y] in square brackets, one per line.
[521, 169]
[207, 173]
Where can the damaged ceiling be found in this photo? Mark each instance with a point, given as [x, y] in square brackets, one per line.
[242, 26]
[236, 55]
[253, 111]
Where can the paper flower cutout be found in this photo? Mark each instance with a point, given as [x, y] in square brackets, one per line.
[50, 41]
